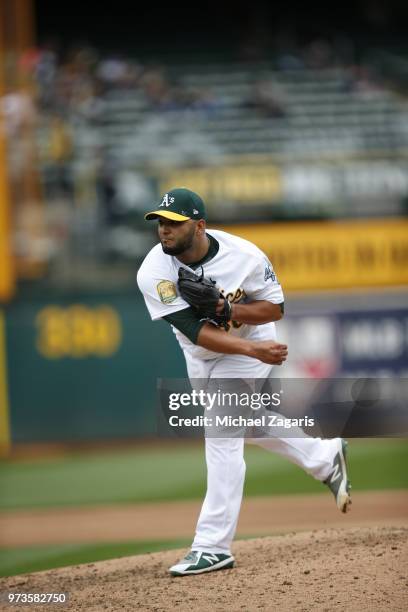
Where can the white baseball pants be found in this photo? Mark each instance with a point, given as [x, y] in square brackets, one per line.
[219, 514]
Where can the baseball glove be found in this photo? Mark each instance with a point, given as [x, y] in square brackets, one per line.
[201, 293]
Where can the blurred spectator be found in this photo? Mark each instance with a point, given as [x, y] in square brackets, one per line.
[112, 71]
[267, 99]
[204, 101]
[156, 87]
[87, 103]
[115, 72]
[18, 112]
[184, 99]
[20, 119]
[287, 53]
[106, 190]
[57, 158]
[363, 80]
[318, 55]
[289, 60]
[43, 63]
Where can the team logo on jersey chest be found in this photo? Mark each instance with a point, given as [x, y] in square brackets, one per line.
[234, 296]
[167, 291]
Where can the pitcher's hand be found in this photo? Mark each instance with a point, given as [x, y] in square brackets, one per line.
[270, 352]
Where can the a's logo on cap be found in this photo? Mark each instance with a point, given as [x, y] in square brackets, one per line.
[166, 200]
[195, 211]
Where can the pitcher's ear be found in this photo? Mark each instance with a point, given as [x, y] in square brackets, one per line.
[201, 225]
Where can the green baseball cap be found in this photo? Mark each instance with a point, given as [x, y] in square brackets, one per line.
[179, 205]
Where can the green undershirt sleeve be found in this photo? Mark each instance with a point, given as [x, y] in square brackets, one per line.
[187, 322]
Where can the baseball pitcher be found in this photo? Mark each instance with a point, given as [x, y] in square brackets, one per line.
[221, 296]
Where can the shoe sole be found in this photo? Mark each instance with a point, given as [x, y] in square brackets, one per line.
[343, 497]
[226, 564]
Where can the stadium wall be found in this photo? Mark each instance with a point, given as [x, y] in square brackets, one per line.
[85, 369]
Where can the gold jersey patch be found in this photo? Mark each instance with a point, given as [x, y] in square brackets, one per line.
[167, 291]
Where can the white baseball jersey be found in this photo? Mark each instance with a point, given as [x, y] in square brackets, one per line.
[241, 271]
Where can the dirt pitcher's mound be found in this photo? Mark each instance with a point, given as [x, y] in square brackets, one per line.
[331, 569]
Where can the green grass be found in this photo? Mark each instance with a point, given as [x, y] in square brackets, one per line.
[177, 473]
[161, 474]
[15, 561]
[373, 465]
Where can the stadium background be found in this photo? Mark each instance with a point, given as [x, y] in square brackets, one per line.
[293, 127]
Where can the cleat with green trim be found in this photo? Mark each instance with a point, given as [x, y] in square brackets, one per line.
[337, 481]
[197, 562]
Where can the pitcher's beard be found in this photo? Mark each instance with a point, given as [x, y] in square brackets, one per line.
[176, 250]
[179, 248]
